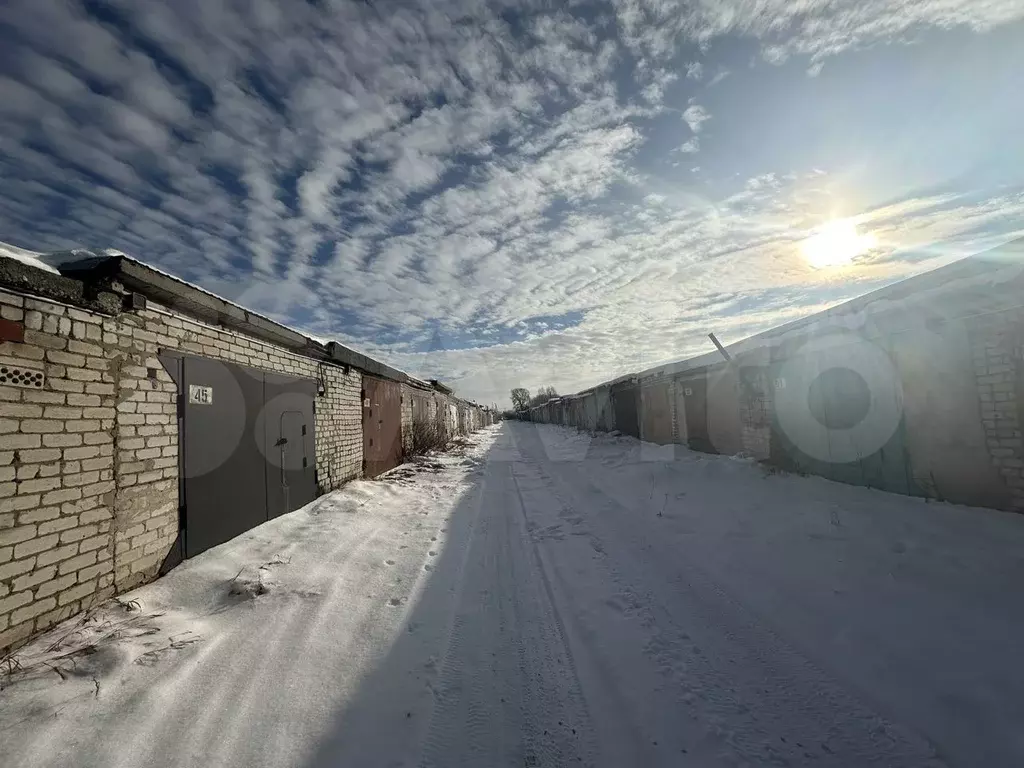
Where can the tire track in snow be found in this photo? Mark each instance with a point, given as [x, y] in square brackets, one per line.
[761, 698]
[627, 715]
[585, 748]
[443, 729]
[722, 610]
[505, 695]
[465, 728]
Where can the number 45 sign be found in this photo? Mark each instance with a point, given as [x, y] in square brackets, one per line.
[198, 395]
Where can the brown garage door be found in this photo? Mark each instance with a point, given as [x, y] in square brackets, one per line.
[656, 409]
[382, 425]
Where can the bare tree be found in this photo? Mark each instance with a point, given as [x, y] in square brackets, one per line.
[543, 395]
[520, 399]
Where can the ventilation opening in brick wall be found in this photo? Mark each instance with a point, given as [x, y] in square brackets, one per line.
[21, 377]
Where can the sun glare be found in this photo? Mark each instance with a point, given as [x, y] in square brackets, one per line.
[835, 244]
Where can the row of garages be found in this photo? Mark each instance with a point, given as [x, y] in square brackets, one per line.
[397, 415]
[151, 421]
[240, 422]
[916, 389]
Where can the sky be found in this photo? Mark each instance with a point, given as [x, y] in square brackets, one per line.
[513, 194]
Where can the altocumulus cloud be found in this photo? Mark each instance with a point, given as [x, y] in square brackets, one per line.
[482, 192]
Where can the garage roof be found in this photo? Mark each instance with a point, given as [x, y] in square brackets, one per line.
[85, 278]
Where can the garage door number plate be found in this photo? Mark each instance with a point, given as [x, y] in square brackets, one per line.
[198, 395]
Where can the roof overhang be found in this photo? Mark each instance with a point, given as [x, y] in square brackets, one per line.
[90, 280]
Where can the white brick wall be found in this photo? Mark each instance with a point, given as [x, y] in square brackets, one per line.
[56, 470]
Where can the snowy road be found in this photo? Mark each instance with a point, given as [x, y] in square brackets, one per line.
[544, 599]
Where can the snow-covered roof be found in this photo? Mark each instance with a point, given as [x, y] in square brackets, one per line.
[31, 258]
[961, 289]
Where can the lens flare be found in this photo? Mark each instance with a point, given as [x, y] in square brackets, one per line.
[835, 244]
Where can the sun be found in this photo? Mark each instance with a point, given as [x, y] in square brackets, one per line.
[835, 244]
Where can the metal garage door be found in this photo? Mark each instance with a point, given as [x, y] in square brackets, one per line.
[838, 414]
[657, 414]
[288, 441]
[246, 448]
[382, 425]
[626, 398]
[695, 397]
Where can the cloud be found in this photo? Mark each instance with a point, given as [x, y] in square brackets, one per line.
[690, 146]
[719, 77]
[816, 29]
[748, 244]
[449, 170]
[695, 116]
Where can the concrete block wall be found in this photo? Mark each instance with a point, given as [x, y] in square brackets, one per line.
[756, 407]
[997, 349]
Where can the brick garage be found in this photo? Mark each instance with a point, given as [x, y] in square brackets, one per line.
[89, 425]
[946, 347]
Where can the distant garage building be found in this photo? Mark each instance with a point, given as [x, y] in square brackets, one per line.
[916, 388]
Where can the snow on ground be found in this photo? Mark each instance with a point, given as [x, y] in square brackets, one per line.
[543, 598]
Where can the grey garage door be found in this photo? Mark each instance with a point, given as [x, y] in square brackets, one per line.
[247, 448]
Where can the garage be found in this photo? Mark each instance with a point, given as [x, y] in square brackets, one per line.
[246, 448]
[656, 413]
[694, 387]
[626, 400]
